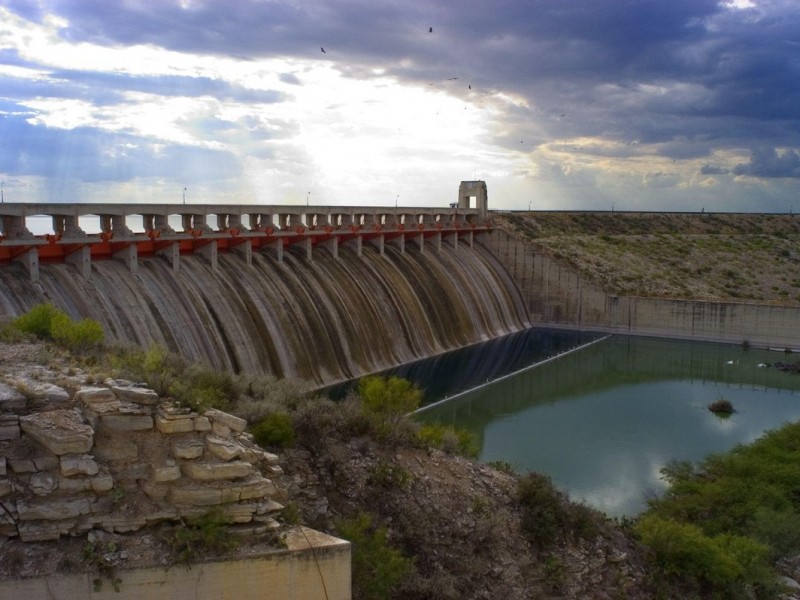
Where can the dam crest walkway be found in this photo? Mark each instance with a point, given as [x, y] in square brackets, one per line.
[170, 231]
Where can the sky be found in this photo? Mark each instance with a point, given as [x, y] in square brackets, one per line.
[653, 105]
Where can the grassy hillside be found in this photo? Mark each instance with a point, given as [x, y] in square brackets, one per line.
[701, 256]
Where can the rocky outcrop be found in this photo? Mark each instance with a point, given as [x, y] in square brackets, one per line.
[462, 523]
[118, 458]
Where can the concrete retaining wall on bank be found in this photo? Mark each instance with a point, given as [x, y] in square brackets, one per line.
[556, 295]
[297, 573]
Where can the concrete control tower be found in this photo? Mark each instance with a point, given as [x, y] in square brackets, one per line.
[473, 189]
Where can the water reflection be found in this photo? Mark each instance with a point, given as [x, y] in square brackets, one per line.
[603, 421]
[453, 372]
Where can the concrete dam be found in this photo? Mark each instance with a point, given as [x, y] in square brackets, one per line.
[318, 293]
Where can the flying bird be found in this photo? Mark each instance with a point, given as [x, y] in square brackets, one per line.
[323, 50]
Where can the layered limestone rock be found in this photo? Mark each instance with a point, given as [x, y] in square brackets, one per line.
[118, 458]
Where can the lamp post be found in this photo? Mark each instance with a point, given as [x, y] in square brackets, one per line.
[396, 199]
[2, 196]
[184, 195]
[307, 196]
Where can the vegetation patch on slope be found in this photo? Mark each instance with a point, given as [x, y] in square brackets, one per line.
[728, 257]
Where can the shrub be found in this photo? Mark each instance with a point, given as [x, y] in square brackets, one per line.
[47, 322]
[385, 402]
[97, 555]
[389, 475]
[291, 514]
[780, 529]
[503, 466]
[541, 503]
[724, 565]
[9, 333]
[451, 439]
[275, 429]
[388, 397]
[200, 388]
[725, 491]
[721, 406]
[547, 512]
[206, 534]
[743, 503]
[160, 368]
[193, 385]
[321, 420]
[156, 366]
[38, 321]
[80, 335]
[378, 568]
[265, 394]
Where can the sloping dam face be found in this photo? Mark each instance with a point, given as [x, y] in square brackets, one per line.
[322, 320]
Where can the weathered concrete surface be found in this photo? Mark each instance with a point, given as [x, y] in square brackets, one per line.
[774, 327]
[555, 295]
[313, 566]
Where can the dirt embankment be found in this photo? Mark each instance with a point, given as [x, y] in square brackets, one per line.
[463, 522]
[700, 256]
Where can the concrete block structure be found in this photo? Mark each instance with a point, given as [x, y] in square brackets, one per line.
[473, 189]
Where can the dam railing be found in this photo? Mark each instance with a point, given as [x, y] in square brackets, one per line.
[173, 230]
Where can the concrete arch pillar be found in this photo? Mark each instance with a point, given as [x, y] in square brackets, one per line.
[14, 228]
[67, 226]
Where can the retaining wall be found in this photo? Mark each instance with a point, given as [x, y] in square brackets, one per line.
[555, 295]
[313, 566]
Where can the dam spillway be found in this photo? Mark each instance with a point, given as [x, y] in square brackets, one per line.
[348, 310]
[322, 320]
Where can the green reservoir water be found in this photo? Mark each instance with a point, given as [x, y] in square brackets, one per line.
[602, 421]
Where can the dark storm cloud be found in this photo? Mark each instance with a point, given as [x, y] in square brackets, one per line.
[594, 59]
[713, 170]
[619, 30]
[769, 163]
